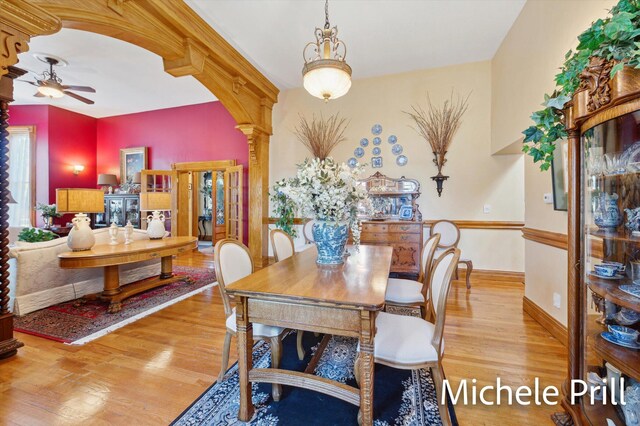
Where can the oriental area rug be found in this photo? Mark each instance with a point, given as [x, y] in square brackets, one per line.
[401, 397]
[80, 321]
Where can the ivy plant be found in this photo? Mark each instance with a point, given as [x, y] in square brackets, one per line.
[617, 38]
[35, 235]
[284, 210]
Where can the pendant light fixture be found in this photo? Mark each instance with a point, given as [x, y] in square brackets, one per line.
[326, 74]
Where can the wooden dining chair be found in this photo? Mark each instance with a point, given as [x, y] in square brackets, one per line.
[411, 343]
[307, 232]
[283, 248]
[233, 262]
[410, 293]
[449, 238]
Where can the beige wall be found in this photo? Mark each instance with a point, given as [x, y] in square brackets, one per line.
[522, 71]
[477, 177]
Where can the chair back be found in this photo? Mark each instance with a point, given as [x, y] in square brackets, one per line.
[307, 232]
[449, 233]
[233, 262]
[441, 275]
[426, 261]
[282, 244]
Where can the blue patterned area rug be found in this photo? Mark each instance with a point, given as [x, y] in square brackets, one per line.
[401, 397]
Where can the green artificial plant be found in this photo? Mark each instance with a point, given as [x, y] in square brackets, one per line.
[35, 235]
[615, 38]
[284, 210]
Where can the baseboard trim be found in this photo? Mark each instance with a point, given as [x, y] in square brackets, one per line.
[493, 275]
[549, 323]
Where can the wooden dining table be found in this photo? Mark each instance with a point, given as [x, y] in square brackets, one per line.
[298, 294]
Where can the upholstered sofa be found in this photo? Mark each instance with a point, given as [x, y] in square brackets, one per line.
[36, 280]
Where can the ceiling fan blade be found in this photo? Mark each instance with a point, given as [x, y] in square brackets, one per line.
[78, 97]
[39, 95]
[30, 82]
[80, 88]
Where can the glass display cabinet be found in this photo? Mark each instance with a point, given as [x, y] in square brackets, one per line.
[119, 208]
[603, 123]
[388, 195]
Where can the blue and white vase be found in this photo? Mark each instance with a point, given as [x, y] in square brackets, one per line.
[607, 217]
[331, 241]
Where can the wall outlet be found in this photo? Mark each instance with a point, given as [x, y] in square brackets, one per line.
[486, 208]
[556, 300]
[548, 198]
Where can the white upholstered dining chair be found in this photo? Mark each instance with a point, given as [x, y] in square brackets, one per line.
[411, 343]
[449, 238]
[404, 292]
[233, 262]
[283, 248]
[307, 232]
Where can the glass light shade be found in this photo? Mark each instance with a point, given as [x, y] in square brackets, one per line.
[52, 92]
[327, 81]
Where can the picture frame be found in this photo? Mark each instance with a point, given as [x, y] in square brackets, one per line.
[560, 175]
[406, 212]
[132, 160]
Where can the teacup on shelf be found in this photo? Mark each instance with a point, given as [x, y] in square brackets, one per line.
[624, 334]
[605, 270]
[620, 267]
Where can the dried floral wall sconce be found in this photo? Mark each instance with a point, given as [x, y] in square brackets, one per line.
[438, 126]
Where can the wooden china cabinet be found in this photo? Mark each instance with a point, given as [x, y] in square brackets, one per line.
[603, 124]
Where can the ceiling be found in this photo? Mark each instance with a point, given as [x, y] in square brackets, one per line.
[382, 36]
[127, 78]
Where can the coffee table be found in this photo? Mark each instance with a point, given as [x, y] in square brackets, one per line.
[110, 257]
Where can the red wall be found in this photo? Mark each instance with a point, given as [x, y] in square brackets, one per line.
[190, 133]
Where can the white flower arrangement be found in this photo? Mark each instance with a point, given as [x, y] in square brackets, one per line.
[328, 191]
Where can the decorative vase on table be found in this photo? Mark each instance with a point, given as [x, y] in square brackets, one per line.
[331, 241]
[48, 222]
[607, 216]
[155, 225]
[81, 236]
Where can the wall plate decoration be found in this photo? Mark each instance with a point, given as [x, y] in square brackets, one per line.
[377, 140]
[364, 142]
[376, 162]
[376, 129]
[402, 160]
[358, 152]
[352, 162]
[392, 139]
[376, 151]
[396, 149]
[406, 212]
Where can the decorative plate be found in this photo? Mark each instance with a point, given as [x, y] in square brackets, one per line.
[377, 141]
[610, 337]
[615, 277]
[358, 152]
[632, 289]
[364, 142]
[396, 149]
[376, 162]
[376, 129]
[392, 139]
[402, 160]
[631, 154]
[352, 162]
[376, 151]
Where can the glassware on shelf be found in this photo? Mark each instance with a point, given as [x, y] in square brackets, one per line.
[615, 163]
[596, 164]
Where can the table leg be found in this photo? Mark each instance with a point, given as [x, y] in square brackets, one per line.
[365, 365]
[166, 267]
[111, 280]
[244, 331]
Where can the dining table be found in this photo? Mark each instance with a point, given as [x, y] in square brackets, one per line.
[298, 294]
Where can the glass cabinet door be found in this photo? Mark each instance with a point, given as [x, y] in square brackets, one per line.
[611, 259]
[116, 211]
[132, 212]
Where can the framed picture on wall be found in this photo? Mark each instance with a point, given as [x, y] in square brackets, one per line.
[560, 175]
[132, 161]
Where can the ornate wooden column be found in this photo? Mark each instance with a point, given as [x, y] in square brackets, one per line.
[258, 141]
[19, 21]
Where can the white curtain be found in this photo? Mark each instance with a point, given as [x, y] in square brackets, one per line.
[20, 176]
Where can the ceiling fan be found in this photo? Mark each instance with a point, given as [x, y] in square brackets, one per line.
[50, 85]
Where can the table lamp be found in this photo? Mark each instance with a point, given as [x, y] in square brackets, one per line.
[155, 202]
[80, 201]
[107, 180]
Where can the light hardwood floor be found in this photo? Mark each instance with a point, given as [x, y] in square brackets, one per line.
[148, 372]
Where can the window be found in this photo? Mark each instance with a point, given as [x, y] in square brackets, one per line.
[22, 175]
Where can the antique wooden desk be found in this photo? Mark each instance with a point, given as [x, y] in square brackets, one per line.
[295, 293]
[109, 257]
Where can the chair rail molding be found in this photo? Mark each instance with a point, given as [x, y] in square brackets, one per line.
[188, 46]
[553, 239]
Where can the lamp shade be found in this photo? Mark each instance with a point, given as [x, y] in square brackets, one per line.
[137, 177]
[327, 79]
[150, 201]
[107, 180]
[79, 200]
